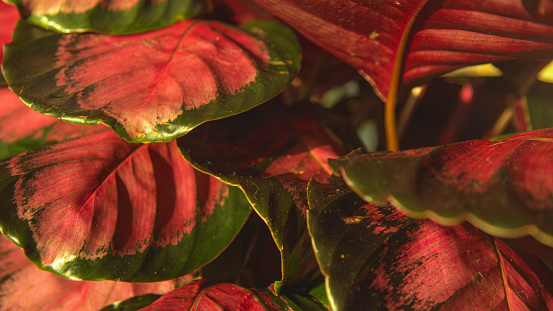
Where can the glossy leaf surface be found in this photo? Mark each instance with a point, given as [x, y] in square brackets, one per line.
[24, 287]
[99, 208]
[23, 129]
[271, 153]
[440, 35]
[502, 187]
[111, 16]
[8, 19]
[204, 295]
[375, 258]
[179, 76]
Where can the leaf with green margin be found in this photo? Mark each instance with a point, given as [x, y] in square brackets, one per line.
[179, 77]
[207, 295]
[23, 129]
[112, 16]
[99, 208]
[24, 287]
[271, 152]
[376, 258]
[132, 304]
[8, 19]
[502, 187]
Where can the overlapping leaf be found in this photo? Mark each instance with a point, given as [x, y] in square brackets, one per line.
[442, 35]
[24, 287]
[271, 153]
[8, 18]
[154, 86]
[375, 258]
[111, 16]
[503, 187]
[99, 208]
[23, 129]
[205, 295]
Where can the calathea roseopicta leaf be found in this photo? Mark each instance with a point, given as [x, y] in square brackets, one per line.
[24, 287]
[270, 152]
[206, 295]
[111, 16]
[376, 258]
[420, 38]
[8, 19]
[23, 129]
[154, 86]
[99, 208]
[502, 187]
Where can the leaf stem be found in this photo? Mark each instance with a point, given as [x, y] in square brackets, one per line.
[392, 141]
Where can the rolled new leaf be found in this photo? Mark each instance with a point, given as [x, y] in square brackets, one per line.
[111, 16]
[99, 208]
[503, 187]
[155, 86]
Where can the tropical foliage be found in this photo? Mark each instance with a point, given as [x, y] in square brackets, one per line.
[245, 155]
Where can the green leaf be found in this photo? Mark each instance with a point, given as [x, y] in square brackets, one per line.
[179, 77]
[503, 187]
[271, 152]
[99, 208]
[111, 16]
[376, 258]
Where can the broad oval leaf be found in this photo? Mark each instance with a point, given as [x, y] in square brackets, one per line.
[502, 187]
[206, 295]
[23, 129]
[178, 77]
[271, 153]
[8, 19]
[375, 258]
[99, 208]
[24, 287]
[422, 38]
[111, 16]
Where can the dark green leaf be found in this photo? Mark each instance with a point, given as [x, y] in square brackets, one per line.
[271, 153]
[132, 304]
[111, 16]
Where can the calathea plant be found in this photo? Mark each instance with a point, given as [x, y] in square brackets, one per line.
[239, 155]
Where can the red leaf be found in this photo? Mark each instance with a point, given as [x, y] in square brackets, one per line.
[179, 77]
[100, 202]
[445, 35]
[24, 287]
[413, 264]
[8, 18]
[502, 187]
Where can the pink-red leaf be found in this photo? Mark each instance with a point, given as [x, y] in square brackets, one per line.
[503, 187]
[443, 35]
[99, 208]
[179, 76]
[206, 295]
[8, 19]
[24, 287]
[375, 258]
[23, 129]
